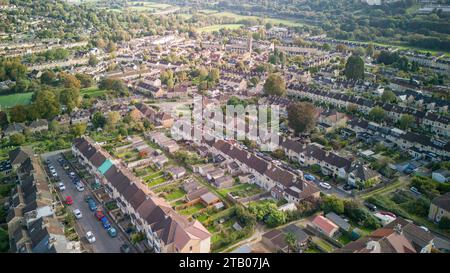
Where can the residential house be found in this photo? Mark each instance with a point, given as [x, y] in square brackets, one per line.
[440, 207]
[441, 176]
[325, 226]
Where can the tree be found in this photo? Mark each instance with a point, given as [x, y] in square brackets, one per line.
[389, 96]
[17, 139]
[354, 68]
[12, 69]
[69, 80]
[93, 61]
[18, 113]
[278, 153]
[341, 48]
[377, 114]
[301, 117]
[113, 118]
[275, 85]
[444, 223]
[85, 80]
[291, 241]
[326, 47]
[79, 129]
[370, 51]
[3, 119]
[111, 47]
[406, 121]
[47, 104]
[214, 75]
[48, 77]
[70, 97]
[334, 204]
[98, 120]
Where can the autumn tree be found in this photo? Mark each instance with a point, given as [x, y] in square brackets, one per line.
[354, 68]
[301, 117]
[275, 85]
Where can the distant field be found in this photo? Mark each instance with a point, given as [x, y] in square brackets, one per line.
[147, 6]
[92, 92]
[219, 27]
[243, 17]
[7, 101]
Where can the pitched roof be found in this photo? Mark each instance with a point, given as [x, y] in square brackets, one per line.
[324, 224]
[442, 201]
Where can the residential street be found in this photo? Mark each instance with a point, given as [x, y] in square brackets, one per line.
[104, 243]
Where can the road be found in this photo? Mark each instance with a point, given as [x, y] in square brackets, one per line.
[104, 243]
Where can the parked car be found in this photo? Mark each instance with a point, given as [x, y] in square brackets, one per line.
[80, 187]
[105, 222]
[77, 213]
[69, 200]
[61, 186]
[370, 206]
[66, 167]
[87, 198]
[325, 185]
[90, 237]
[309, 177]
[125, 248]
[348, 187]
[99, 214]
[112, 232]
[415, 190]
[92, 205]
[71, 174]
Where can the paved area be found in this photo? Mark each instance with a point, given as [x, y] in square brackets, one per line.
[104, 243]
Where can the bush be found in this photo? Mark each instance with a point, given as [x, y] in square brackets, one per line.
[444, 223]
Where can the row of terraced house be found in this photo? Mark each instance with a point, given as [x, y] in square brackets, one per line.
[437, 124]
[165, 230]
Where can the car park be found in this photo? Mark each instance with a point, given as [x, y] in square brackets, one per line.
[90, 237]
[61, 186]
[325, 185]
[77, 213]
[69, 200]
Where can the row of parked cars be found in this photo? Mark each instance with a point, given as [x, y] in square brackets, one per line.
[79, 185]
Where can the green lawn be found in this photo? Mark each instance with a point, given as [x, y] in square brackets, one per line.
[219, 27]
[242, 190]
[176, 194]
[191, 209]
[7, 101]
[152, 176]
[156, 181]
[344, 239]
[324, 245]
[92, 92]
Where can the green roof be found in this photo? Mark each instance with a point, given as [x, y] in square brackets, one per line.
[105, 166]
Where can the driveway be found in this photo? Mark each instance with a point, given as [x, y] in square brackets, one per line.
[88, 222]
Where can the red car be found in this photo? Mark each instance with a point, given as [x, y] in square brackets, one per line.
[69, 200]
[99, 214]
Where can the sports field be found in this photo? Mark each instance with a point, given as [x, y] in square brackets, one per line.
[7, 101]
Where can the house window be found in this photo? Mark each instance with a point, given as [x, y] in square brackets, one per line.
[190, 248]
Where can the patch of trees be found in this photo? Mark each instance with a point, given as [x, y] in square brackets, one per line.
[115, 85]
[275, 85]
[354, 68]
[302, 117]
